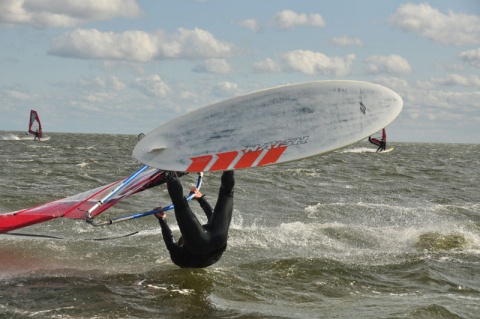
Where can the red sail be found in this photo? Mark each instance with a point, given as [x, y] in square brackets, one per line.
[34, 125]
[77, 206]
[376, 139]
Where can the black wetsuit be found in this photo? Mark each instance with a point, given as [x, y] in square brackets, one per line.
[203, 245]
[382, 147]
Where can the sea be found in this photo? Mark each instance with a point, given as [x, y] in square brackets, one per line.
[349, 234]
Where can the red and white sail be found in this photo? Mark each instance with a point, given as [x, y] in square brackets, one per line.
[378, 137]
[34, 125]
[77, 206]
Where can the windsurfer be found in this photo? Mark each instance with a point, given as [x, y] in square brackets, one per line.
[37, 135]
[382, 145]
[200, 245]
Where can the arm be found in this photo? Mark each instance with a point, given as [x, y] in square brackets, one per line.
[207, 208]
[167, 234]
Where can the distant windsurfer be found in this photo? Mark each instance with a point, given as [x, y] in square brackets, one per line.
[382, 144]
[37, 135]
[200, 245]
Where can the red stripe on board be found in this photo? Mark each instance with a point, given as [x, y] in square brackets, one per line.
[224, 160]
[199, 163]
[248, 159]
[272, 156]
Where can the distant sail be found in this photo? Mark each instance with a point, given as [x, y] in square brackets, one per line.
[34, 125]
[77, 206]
[384, 136]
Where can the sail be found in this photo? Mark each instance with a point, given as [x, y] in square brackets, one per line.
[34, 125]
[378, 138]
[78, 205]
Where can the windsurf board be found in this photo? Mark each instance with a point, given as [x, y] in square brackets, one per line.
[271, 126]
[387, 150]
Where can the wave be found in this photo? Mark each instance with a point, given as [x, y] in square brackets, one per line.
[14, 137]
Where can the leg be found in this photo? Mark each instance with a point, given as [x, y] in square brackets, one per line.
[174, 187]
[222, 214]
[192, 231]
[228, 182]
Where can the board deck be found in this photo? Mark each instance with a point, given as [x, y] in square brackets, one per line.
[272, 126]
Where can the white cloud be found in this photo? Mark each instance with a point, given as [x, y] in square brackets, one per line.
[226, 88]
[392, 64]
[344, 41]
[453, 67]
[152, 86]
[111, 82]
[64, 13]
[251, 24]
[94, 44]
[198, 43]
[16, 93]
[452, 28]
[288, 19]
[308, 62]
[312, 63]
[267, 65]
[393, 83]
[140, 46]
[428, 103]
[471, 57]
[458, 80]
[219, 66]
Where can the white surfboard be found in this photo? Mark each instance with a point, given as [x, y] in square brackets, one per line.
[272, 126]
[387, 150]
[29, 138]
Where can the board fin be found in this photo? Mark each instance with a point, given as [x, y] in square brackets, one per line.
[157, 149]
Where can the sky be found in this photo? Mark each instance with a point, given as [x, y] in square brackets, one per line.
[127, 66]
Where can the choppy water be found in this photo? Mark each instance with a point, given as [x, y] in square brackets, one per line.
[351, 234]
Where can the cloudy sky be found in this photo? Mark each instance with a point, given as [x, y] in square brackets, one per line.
[127, 66]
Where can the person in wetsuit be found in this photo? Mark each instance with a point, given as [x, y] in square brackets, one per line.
[382, 145]
[37, 135]
[200, 245]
